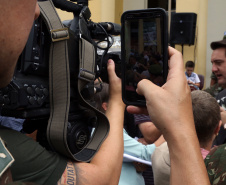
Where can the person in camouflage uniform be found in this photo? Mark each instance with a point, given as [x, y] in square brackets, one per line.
[216, 165]
[218, 59]
[214, 88]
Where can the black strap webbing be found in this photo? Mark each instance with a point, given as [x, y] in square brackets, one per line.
[59, 87]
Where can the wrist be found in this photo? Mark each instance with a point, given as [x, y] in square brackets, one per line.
[116, 103]
[175, 135]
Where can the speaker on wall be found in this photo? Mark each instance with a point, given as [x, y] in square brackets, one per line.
[182, 28]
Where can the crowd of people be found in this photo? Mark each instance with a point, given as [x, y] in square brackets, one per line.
[178, 127]
[145, 65]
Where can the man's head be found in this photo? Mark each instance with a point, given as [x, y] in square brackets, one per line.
[189, 66]
[16, 19]
[207, 117]
[218, 60]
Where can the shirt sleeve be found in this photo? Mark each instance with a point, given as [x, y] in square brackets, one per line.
[136, 149]
[33, 163]
[13, 123]
[141, 118]
[197, 80]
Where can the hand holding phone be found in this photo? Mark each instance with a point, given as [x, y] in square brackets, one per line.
[144, 51]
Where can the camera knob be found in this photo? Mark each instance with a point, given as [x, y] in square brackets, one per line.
[30, 91]
[40, 101]
[38, 91]
[31, 100]
[45, 91]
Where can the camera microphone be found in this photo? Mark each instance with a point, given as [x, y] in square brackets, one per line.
[112, 28]
[99, 30]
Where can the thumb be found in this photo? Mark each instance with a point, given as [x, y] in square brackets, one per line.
[111, 69]
[147, 88]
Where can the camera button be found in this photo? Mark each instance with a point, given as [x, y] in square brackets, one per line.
[45, 91]
[30, 91]
[32, 100]
[38, 91]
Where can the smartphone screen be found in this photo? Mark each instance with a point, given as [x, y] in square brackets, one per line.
[144, 51]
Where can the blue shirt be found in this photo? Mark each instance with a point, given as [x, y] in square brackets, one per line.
[129, 175]
[194, 77]
[13, 123]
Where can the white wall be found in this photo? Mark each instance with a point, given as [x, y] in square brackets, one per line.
[134, 4]
[216, 26]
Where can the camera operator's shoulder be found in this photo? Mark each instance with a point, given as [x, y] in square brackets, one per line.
[42, 166]
[6, 161]
[12, 136]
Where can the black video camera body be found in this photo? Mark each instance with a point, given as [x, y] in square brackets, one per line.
[27, 96]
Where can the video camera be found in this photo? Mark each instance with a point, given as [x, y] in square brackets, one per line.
[28, 94]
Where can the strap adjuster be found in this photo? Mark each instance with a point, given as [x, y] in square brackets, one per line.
[59, 34]
[86, 75]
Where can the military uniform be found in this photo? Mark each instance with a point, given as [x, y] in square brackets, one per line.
[216, 165]
[221, 137]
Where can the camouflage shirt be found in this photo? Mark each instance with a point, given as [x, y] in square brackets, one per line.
[216, 165]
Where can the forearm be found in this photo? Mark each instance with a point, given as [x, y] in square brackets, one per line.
[159, 141]
[105, 167]
[109, 158]
[187, 165]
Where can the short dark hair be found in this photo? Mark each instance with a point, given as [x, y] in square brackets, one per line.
[206, 113]
[190, 64]
[219, 44]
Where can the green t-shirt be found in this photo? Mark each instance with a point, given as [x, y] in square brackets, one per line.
[33, 163]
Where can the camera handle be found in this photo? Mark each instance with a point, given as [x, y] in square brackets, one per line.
[59, 88]
[69, 6]
[83, 2]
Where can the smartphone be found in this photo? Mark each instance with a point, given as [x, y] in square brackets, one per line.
[144, 51]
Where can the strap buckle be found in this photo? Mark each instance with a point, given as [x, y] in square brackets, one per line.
[86, 75]
[59, 34]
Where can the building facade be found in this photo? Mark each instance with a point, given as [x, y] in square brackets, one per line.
[210, 25]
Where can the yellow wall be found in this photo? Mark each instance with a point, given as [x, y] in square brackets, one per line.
[118, 11]
[134, 4]
[95, 8]
[64, 15]
[197, 52]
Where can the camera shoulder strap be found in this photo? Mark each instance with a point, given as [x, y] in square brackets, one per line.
[59, 88]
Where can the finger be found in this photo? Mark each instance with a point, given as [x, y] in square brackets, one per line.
[176, 65]
[144, 86]
[137, 110]
[175, 69]
[111, 69]
[175, 56]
